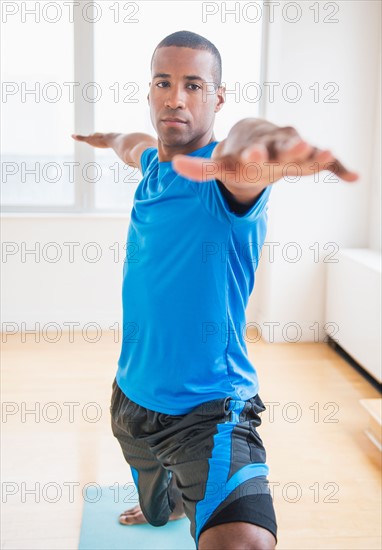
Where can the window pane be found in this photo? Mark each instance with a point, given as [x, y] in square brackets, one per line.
[37, 104]
[125, 38]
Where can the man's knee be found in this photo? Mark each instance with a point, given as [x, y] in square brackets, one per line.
[236, 536]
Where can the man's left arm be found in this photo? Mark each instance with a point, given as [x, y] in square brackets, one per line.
[253, 156]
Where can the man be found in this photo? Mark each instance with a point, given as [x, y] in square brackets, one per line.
[185, 403]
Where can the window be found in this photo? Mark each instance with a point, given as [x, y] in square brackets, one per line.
[90, 64]
[36, 112]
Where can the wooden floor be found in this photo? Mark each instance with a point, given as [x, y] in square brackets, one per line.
[324, 472]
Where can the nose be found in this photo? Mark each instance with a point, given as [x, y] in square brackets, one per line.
[175, 98]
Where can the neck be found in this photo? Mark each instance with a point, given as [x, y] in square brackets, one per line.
[167, 152]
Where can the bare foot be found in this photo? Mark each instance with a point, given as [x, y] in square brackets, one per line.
[134, 516]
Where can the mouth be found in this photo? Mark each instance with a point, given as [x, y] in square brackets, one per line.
[177, 122]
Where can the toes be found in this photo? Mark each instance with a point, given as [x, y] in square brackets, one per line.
[130, 511]
[123, 519]
[127, 520]
[131, 516]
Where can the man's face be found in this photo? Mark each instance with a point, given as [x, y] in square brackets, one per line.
[182, 88]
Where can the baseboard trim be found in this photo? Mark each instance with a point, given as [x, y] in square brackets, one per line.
[352, 362]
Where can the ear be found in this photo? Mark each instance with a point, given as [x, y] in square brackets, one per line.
[220, 98]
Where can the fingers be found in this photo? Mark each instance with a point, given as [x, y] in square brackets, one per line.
[255, 153]
[296, 150]
[339, 169]
[196, 168]
[95, 140]
[79, 138]
[326, 161]
[321, 156]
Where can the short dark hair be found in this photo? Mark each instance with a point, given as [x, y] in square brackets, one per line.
[188, 39]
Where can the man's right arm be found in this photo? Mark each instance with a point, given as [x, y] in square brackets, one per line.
[129, 147]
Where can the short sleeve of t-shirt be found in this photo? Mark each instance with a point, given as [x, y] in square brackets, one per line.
[146, 158]
[235, 206]
[256, 210]
[218, 205]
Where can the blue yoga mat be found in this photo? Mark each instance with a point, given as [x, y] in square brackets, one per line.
[101, 530]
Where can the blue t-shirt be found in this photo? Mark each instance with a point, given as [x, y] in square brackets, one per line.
[187, 277]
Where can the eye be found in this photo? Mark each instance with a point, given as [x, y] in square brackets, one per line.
[196, 87]
[158, 84]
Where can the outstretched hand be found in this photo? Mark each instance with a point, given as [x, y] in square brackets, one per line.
[260, 154]
[96, 140]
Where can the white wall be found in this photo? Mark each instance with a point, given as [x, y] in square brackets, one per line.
[305, 212]
[84, 288]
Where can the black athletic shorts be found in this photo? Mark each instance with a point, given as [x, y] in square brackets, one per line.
[212, 457]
